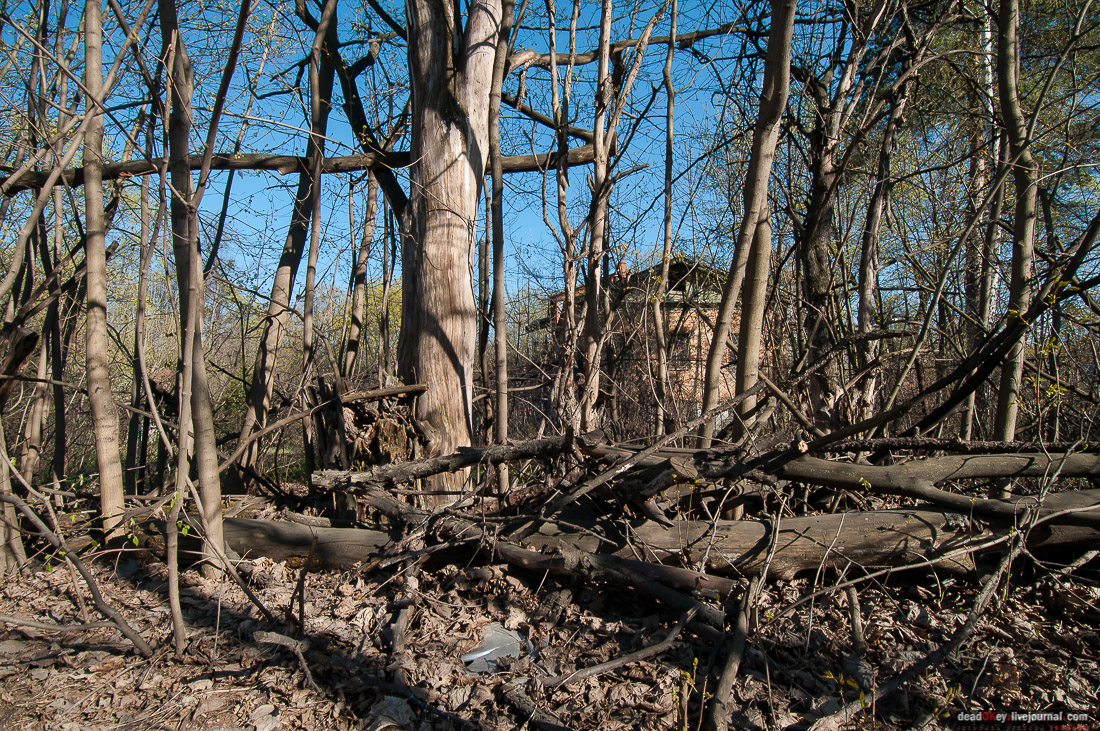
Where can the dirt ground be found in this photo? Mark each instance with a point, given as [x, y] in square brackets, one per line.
[1036, 648]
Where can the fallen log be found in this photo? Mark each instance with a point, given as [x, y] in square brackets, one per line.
[917, 479]
[337, 548]
[914, 479]
[869, 539]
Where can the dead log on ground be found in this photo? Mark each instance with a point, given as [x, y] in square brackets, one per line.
[337, 548]
[871, 539]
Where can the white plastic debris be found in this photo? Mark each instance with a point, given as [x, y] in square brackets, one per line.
[497, 642]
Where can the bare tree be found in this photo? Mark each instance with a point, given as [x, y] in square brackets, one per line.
[753, 238]
[100, 399]
[262, 387]
[1025, 174]
[357, 324]
[496, 215]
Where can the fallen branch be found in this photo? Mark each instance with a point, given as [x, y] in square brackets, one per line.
[605, 667]
[58, 542]
[392, 474]
[720, 708]
[298, 647]
[574, 562]
[916, 479]
[534, 715]
[18, 622]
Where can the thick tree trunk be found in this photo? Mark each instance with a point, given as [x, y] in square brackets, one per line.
[104, 415]
[450, 67]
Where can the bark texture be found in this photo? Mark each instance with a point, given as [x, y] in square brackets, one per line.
[450, 65]
[100, 400]
[1024, 174]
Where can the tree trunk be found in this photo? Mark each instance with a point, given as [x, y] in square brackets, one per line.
[500, 320]
[867, 349]
[12, 553]
[189, 279]
[564, 322]
[104, 415]
[359, 282]
[319, 105]
[661, 382]
[1025, 174]
[751, 334]
[773, 101]
[450, 67]
[597, 227]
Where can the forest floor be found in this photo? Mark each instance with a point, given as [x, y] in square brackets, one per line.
[1037, 647]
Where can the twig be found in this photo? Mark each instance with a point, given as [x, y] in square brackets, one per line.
[298, 647]
[604, 667]
[628, 462]
[300, 590]
[227, 565]
[347, 398]
[964, 550]
[859, 644]
[8, 619]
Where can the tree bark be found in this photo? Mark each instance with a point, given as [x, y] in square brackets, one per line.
[450, 67]
[1025, 175]
[100, 400]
